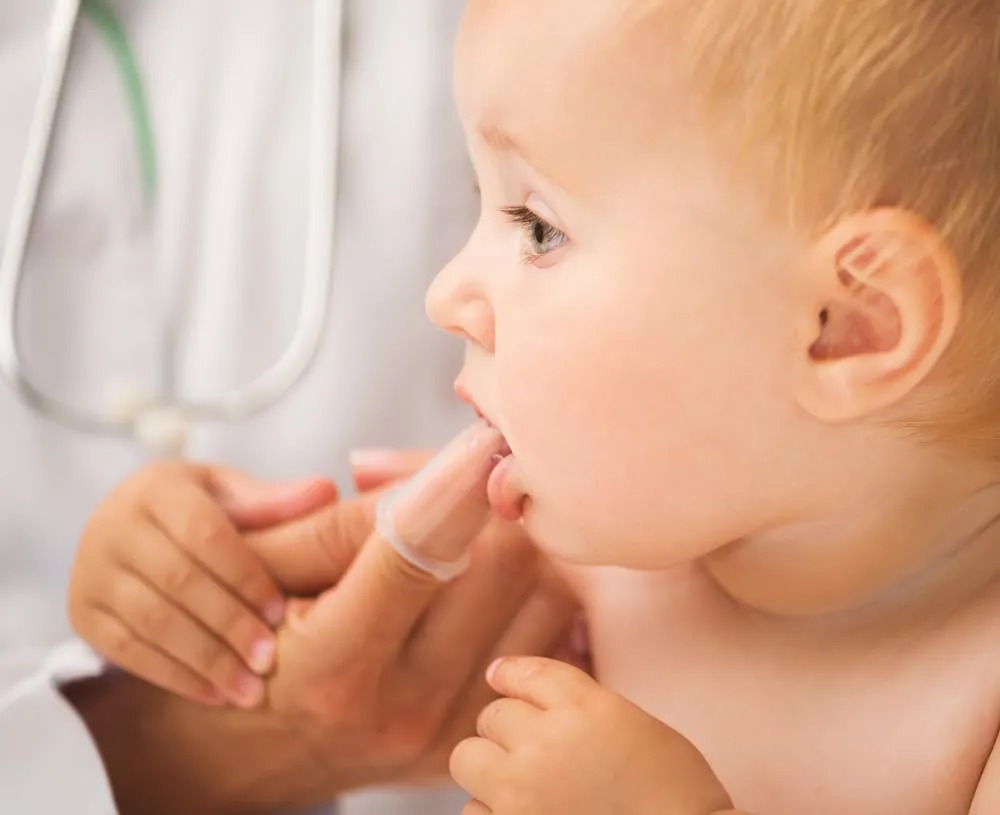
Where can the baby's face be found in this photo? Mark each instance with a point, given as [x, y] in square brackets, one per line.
[627, 316]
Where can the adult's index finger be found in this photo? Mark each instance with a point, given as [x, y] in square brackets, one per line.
[435, 518]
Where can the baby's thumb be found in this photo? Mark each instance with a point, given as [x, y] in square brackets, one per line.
[252, 504]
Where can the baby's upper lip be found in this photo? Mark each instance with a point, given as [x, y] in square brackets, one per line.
[463, 393]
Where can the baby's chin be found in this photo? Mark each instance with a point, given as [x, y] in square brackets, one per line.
[578, 546]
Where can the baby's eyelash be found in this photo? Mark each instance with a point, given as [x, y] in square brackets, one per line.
[537, 231]
[522, 216]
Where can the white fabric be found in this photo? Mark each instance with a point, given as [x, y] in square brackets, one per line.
[227, 83]
[48, 764]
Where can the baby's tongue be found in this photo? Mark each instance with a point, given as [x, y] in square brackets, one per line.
[505, 496]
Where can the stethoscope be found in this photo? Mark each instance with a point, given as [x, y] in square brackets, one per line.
[161, 423]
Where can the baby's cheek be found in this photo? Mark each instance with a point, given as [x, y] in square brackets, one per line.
[570, 414]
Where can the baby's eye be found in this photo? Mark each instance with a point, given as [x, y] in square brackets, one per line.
[540, 236]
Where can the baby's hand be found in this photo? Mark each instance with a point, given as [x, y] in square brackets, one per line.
[164, 586]
[560, 744]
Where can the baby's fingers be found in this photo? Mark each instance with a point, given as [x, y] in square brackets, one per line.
[157, 621]
[192, 518]
[119, 644]
[477, 766]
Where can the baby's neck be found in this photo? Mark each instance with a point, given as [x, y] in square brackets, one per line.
[905, 562]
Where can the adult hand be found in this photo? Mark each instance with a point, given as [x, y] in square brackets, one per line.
[383, 675]
[378, 678]
[164, 586]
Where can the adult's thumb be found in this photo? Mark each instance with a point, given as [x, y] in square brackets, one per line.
[252, 504]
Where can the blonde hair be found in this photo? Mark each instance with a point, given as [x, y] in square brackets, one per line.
[845, 105]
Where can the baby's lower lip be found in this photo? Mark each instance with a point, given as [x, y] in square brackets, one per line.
[505, 500]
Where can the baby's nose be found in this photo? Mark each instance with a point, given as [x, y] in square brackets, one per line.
[457, 304]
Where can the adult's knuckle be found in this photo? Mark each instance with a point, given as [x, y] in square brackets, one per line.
[250, 582]
[181, 577]
[208, 532]
[215, 659]
[180, 680]
[154, 615]
[234, 622]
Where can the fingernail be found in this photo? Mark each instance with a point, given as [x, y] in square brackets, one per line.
[274, 612]
[492, 670]
[262, 656]
[433, 518]
[248, 692]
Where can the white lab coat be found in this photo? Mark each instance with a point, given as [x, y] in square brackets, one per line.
[227, 83]
[48, 763]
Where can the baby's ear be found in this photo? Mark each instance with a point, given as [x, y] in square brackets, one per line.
[884, 295]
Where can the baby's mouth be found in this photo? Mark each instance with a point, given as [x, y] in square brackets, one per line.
[463, 393]
[505, 496]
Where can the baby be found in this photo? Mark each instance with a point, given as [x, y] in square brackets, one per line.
[730, 303]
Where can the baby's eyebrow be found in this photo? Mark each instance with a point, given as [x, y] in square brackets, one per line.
[502, 141]
[499, 139]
